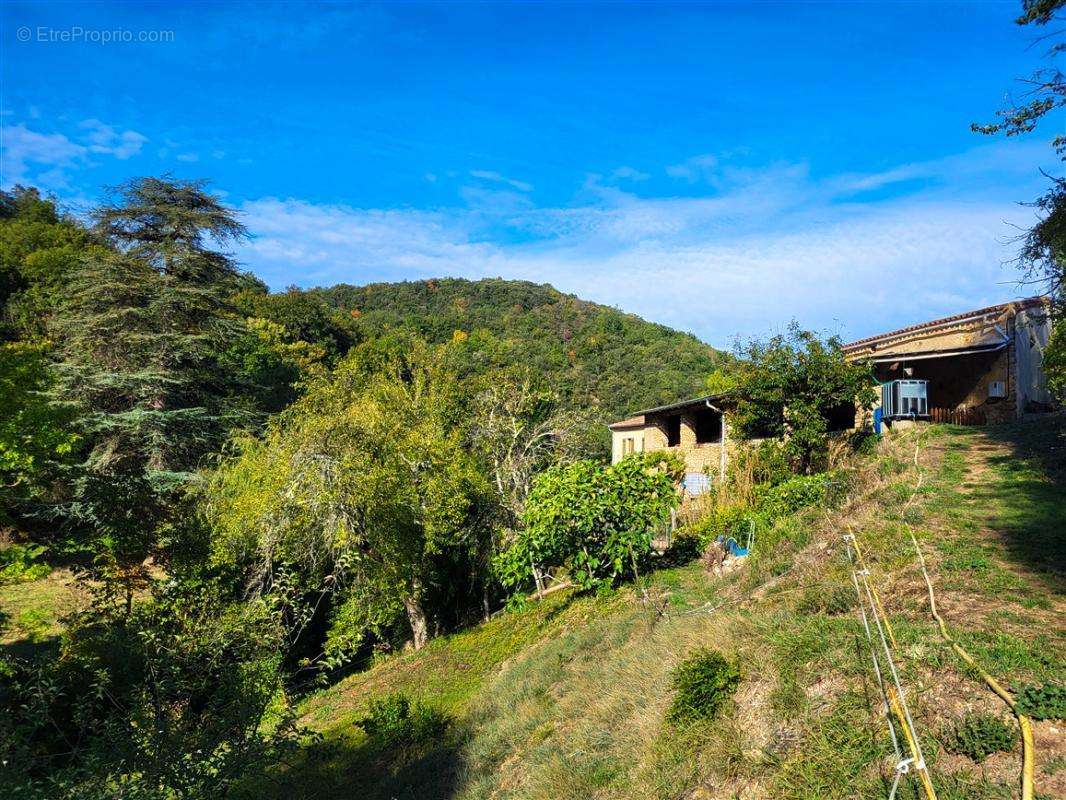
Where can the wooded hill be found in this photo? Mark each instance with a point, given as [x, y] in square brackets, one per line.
[592, 354]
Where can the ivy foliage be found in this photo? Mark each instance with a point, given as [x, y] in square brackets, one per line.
[594, 521]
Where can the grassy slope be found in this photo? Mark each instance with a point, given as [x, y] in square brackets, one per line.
[566, 700]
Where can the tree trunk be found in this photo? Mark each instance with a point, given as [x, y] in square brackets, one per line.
[536, 577]
[417, 617]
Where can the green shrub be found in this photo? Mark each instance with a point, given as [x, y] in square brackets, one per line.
[33, 624]
[1042, 702]
[791, 386]
[865, 441]
[977, 736]
[795, 493]
[393, 721]
[18, 563]
[765, 462]
[732, 520]
[702, 684]
[890, 465]
[594, 521]
[180, 697]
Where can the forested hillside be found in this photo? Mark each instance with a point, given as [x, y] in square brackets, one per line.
[589, 352]
[214, 498]
[233, 520]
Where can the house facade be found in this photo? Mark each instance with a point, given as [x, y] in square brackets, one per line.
[697, 430]
[981, 366]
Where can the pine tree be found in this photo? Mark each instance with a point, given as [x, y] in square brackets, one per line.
[140, 333]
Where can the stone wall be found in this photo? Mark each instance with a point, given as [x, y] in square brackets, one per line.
[698, 457]
[963, 381]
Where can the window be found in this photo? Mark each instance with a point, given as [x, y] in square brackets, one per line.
[673, 430]
[708, 426]
[627, 446]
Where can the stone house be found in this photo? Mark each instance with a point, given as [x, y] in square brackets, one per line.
[696, 429]
[976, 367]
[981, 366]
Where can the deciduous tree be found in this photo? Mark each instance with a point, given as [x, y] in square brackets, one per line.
[1042, 256]
[365, 491]
[790, 386]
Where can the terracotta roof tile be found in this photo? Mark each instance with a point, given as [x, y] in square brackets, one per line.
[631, 422]
[980, 312]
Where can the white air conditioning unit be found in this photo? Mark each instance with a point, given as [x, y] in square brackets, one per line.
[905, 399]
[997, 389]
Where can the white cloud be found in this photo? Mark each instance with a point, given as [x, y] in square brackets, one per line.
[701, 167]
[496, 177]
[296, 241]
[770, 244]
[25, 151]
[188, 158]
[46, 159]
[104, 139]
[629, 173]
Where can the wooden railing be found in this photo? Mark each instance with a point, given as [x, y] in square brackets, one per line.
[959, 416]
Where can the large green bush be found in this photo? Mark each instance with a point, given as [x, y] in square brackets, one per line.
[177, 699]
[595, 521]
[797, 388]
[365, 492]
[798, 492]
[19, 563]
[1055, 363]
[769, 504]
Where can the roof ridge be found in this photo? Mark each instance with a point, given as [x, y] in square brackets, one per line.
[1020, 303]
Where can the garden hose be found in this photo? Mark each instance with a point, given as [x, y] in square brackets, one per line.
[873, 589]
[1024, 724]
[1028, 746]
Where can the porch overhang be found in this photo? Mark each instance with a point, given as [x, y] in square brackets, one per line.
[695, 402]
[888, 358]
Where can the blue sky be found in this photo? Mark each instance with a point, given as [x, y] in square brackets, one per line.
[720, 168]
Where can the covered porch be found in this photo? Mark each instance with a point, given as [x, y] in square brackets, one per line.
[968, 386]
